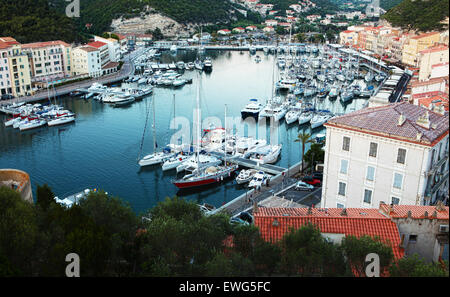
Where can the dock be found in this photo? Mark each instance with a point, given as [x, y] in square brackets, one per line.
[268, 168]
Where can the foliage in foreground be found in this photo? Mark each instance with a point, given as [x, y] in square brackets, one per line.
[176, 240]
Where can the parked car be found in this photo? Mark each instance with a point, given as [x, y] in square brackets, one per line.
[318, 175]
[246, 217]
[312, 181]
[7, 97]
[238, 221]
[302, 186]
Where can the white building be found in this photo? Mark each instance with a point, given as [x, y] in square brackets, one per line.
[86, 61]
[114, 47]
[396, 153]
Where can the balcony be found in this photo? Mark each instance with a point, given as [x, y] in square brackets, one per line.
[437, 165]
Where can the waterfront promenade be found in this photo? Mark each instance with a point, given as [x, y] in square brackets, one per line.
[126, 70]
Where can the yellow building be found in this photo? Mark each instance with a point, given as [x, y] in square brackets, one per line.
[430, 57]
[416, 44]
[20, 72]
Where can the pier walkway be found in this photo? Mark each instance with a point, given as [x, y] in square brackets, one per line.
[268, 168]
[276, 184]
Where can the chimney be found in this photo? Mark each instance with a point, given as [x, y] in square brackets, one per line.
[439, 206]
[419, 136]
[426, 214]
[309, 210]
[439, 109]
[409, 214]
[255, 206]
[401, 119]
[344, 212]
[424, 121]
[434, 214]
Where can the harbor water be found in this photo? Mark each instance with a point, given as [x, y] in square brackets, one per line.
[101, 149]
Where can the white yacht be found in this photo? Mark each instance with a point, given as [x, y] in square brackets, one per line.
[252, 109]
[293, 114]
[258, 180]
[155, 158]
[190, 164]
[265, 155]
[305, 117]
[32, 124]
[245, 176]
[174, 162]
[319, 119]
[286, 84]
[61, 120]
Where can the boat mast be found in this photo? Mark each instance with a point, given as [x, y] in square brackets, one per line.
[225, 149]
[154, 124]
[198, 122]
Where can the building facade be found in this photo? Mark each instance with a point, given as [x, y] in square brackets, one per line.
[417, 44]
[396, 153]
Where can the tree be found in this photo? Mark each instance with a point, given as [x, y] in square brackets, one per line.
[307, 253]
[18, 230]
[44, 196]
[301, 37]
[356, 250]
[304, 138]
[413, 266]
[314, 154]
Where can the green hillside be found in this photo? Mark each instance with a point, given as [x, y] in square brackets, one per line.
[421, 15]
[35, 20]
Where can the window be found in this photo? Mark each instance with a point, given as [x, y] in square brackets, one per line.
[401, 155]
[373, 149]
[412, 238]
[367, 196]
[339, 205]
[370, 173]
[346, 144]
[395, 201]
[398, 180]
[341, 188]
[344, 166]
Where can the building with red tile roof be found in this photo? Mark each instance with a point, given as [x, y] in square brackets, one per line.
[396, 153]
[423, 229]
[333, 223]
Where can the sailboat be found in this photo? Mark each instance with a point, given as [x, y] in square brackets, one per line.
[176, 160]
[205, 176]
[156, 157]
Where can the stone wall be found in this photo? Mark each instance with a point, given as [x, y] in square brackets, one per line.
[19, 179]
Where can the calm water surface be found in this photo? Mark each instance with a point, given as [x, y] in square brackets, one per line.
[101, 149]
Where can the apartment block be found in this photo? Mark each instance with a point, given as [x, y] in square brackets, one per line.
[397, 153]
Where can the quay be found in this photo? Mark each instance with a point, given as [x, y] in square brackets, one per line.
[268, 168]
[279, 182]
[127, 69]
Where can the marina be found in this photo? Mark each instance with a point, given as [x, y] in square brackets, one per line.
[120, 137]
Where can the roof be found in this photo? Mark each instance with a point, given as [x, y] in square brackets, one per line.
[348, 31]
[356, 222]
[417, 212]
[424, 35]
[434, 49]
[45, 44]
[383, 121]
[88, 49]
[6, 42]
[431, 81]
[110, 65]
[96, 44]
